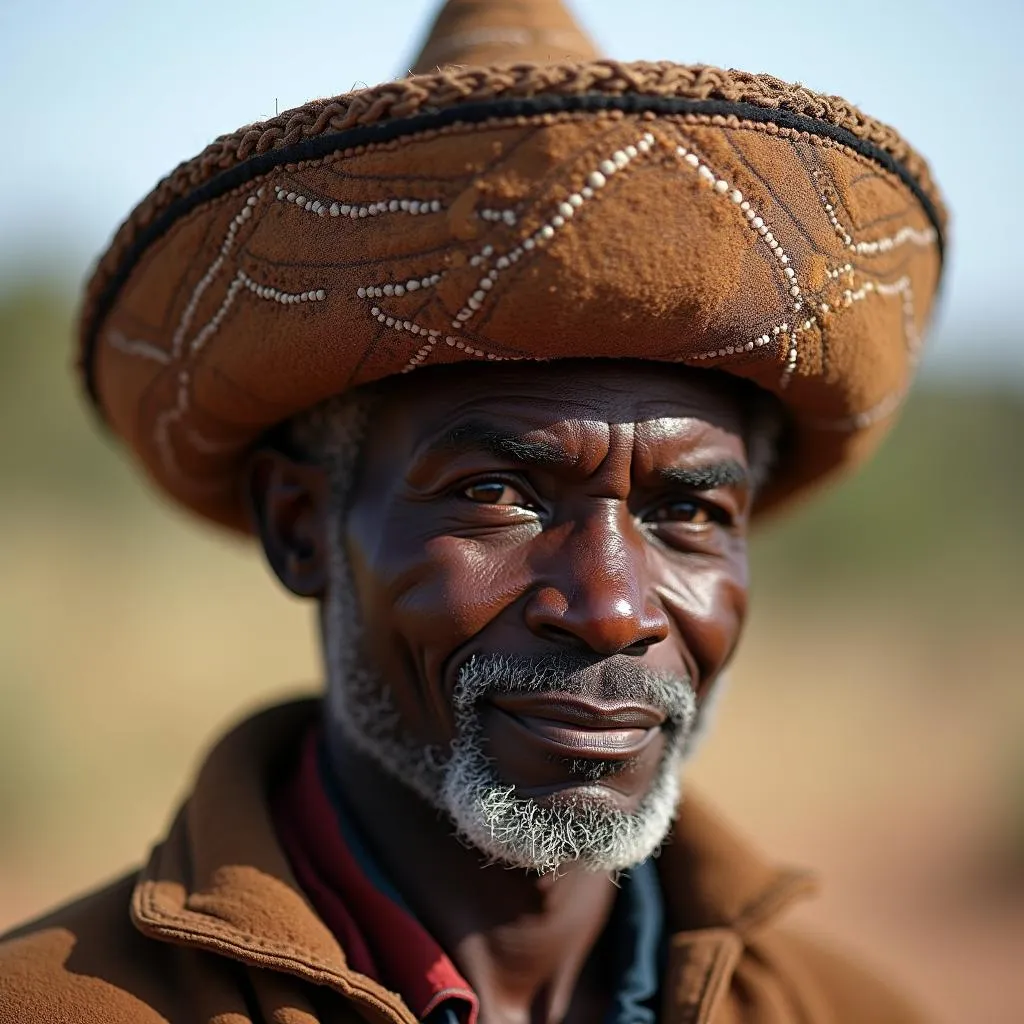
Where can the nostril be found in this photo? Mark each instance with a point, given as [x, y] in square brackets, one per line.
[640, 648]
[568, 638]
[558, 635]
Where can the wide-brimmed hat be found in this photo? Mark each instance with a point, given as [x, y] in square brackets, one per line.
[517, 198]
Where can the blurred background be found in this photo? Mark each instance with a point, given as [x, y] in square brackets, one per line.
[875, 728]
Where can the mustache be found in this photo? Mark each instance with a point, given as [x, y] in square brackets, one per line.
[615, 678]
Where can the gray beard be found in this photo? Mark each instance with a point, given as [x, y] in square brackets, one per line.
[583, 829]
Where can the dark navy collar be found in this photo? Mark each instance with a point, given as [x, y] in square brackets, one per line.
[635, 935]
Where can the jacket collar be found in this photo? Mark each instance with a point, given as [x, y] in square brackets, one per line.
[220, 881]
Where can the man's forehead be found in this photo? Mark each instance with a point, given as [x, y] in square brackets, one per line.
[567, 437]
[566, 427]
[663, 399]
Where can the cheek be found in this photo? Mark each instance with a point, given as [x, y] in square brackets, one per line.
[456, 588]
[708, 606]
[429, 595]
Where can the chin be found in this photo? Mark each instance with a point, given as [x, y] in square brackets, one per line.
[585, 823]
[606, 784]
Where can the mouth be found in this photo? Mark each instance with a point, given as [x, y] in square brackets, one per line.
[566, 726]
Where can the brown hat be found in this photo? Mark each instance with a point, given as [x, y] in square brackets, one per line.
[524, 201]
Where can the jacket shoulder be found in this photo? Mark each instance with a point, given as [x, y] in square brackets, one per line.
[828, 987]
[82, 962]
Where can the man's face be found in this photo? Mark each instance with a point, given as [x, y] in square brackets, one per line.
[549, 569]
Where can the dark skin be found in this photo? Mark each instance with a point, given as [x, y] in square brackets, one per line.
[599, 507]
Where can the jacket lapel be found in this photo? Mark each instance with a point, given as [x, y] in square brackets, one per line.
[221, 882]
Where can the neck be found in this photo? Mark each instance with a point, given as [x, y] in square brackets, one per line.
[521, 940]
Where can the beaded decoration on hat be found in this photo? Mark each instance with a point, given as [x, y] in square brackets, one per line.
[518, 200]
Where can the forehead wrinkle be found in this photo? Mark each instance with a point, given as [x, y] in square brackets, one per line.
[559, 428]
[550, 430]
[693, 432]
[553, 410]
[708, 415]
[618, 457]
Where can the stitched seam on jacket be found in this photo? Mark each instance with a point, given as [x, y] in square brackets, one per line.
[211, 934]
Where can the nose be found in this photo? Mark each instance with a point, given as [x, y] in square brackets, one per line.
[597, 593]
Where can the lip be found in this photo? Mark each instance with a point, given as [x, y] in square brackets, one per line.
[566, 726]
[577, 711]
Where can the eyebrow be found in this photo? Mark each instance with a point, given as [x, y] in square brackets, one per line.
[727, 473]
[477, 435]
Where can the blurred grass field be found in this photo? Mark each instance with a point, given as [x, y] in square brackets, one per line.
[874, 728]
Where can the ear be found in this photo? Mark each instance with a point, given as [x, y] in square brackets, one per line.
[288, 506]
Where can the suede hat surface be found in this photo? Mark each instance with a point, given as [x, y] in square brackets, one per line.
[517, 198]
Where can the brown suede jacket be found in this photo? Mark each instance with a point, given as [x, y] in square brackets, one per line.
[216, 929]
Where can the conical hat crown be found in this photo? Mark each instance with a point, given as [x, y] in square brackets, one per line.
[478, 32]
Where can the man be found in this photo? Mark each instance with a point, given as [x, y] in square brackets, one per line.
[499, 362]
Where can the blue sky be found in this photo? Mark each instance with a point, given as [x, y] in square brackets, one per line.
[101, 99]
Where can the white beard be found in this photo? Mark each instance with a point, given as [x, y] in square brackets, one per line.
[586, 829]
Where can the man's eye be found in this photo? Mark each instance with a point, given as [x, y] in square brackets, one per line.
[694, 513]
[495, 492]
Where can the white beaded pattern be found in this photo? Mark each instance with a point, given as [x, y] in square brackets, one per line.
[564, 211]
[505, 216]
[137, 347]
[162, 427]
[356, 211]
[754, 220]
[399, 288]
[204, 282]
[264, 291]
[791, 355]
[902, 288]
[398, 323]
[906, 234]
[757, 224]
[211, 325]
[749, 346]
[850, 295]
[241, 281]
[790, 332]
